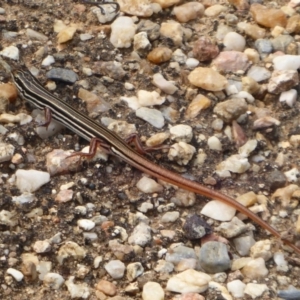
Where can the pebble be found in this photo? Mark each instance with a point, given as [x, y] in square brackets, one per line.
[243, 244]
[281, 263]
[23, 198]
[86, 224]
[268, 17]
[94, 103]
[70, 249]
[34, 35]
[188, 11]
[85, 36]
[191, 63]
[159, 55]
[293, 24]
[233, 228]
[218, 211]
[207, 79]
[255, 290]
[263, 46]
[282, 42]
[234, 41]
[66, 34]
[231, 61]
[8, 218]
[11, 52]
[141, 42]
[166, 3]
[77, 290]
[214, 143]
[31, 180]
[231, 109]
[173, 31]
[64, 196]
[122, 32]
[261, 249]
[255, 269]
[204, 49]
[153, 291]
[148, 185]
[112, 69]
[53, 281]
[214, 257]
[17, 275]
[282, 81]
[195, 227]
[177, 253]
[61, 74]
[252, 30]
[189, 281]
[6, 152]
[199, 103]
[181, 133]
[152, 116]
[109, 13]
[151, 28]
[106, 287]
[188, 296]
[247, 199]
[292, 294]
[236, 288]
[29, 271]
[42, 246]
[134, 270]
[163, 266]
[258, 73]
[181, 152]
[183, 198]
[166, 86]
[8, 93]
[115, 268]
[286, 62]
[214, 10]
[141, 235]
[221, 289]
[146, 98]
[170, 217]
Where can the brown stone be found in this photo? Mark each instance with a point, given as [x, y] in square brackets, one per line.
[204, 49]
[106, 287]
[240, 4]
[8, 92]
[293, 24]
[159, 55]
[268, 17]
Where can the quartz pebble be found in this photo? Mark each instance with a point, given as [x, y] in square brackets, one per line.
[42, 246]
[214, 143]
[153, 290]
[31, 180]
[177, 253]
[236, 288]
[77, 290]
[189, 281]
[181, 133]
[134, 270]
[152, 116]
[231, 61]
[86, 224]
[181, 152]
[255, 290]
[53, 281]
[6, 152]
[199, 103]
[214, 10]
[66, 34]
[115, 268]
[11, 52]
[255, 269]
[170, 217]
[234, 41]
[286, 62]
[141, 235]
[17, 275]
[282, 81]
[148, 185]
[172, 30]
[146, 98]
[258, 73]
[218, 210]
[70, 249]
[166, 86]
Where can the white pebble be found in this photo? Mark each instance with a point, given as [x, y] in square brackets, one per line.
[259, 73]
[152, 116]
[6, 152]
[115, 268]
[148, 185]
[86, 224]
[47, 61]
[234, 41]
[77, 290]
[236, 288]
[214, 143]
[122, 32]
[247, 148]
[286, 62]
[289, 97]
[85, 36]
[153, 291]
[31, 180]
[146, 98]
[218, 211]
[17, 275]
[11, 52]
[255, 290]
[163, 84]
[192, 63]
[181, 133]
[281, 263]
[53, 280]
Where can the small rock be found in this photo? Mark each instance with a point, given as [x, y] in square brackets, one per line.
[236, 288]
[106, 287]
[115, 268]
[188, 296]
[282, 81]
[153, 290]
[218, 211]
[86, 224]
[172, 30]
[255, 269]
[189, 281]
[152, 116]
[146, 98]
[160, 55]
[9, 93]
[11, 52]
[233, 228]
[255, 290]
[77, 290]
[166, 3]
[42, 246]
[214, 10]
[234, 41]
[166, 86]
[177, 253]
[214, 257]
[282, 42]
[17, 275]
[188, 11]
[199, 103]
[231, 61]
[31, 180]
[66, 34]
[6, 152]
[141, 235]
[204, 49]
[247, 199]
[134, 270]
[214, 143]
[207, 79]
[70, 249]
[261, 249]
[53, 281]
[164, 267]
[243, 244]
[170, 217]
[289, 97]
[112, 69]
[258, 73]
[148, 185]
[181, 133]
[181, 152]
[183, 198]
[252, 30]
[268, 17]
[195, 227]
[64, 196]
[61, 74]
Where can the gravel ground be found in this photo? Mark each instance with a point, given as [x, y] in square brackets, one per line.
[226, 100]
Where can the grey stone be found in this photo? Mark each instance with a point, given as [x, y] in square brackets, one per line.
[61, 74]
